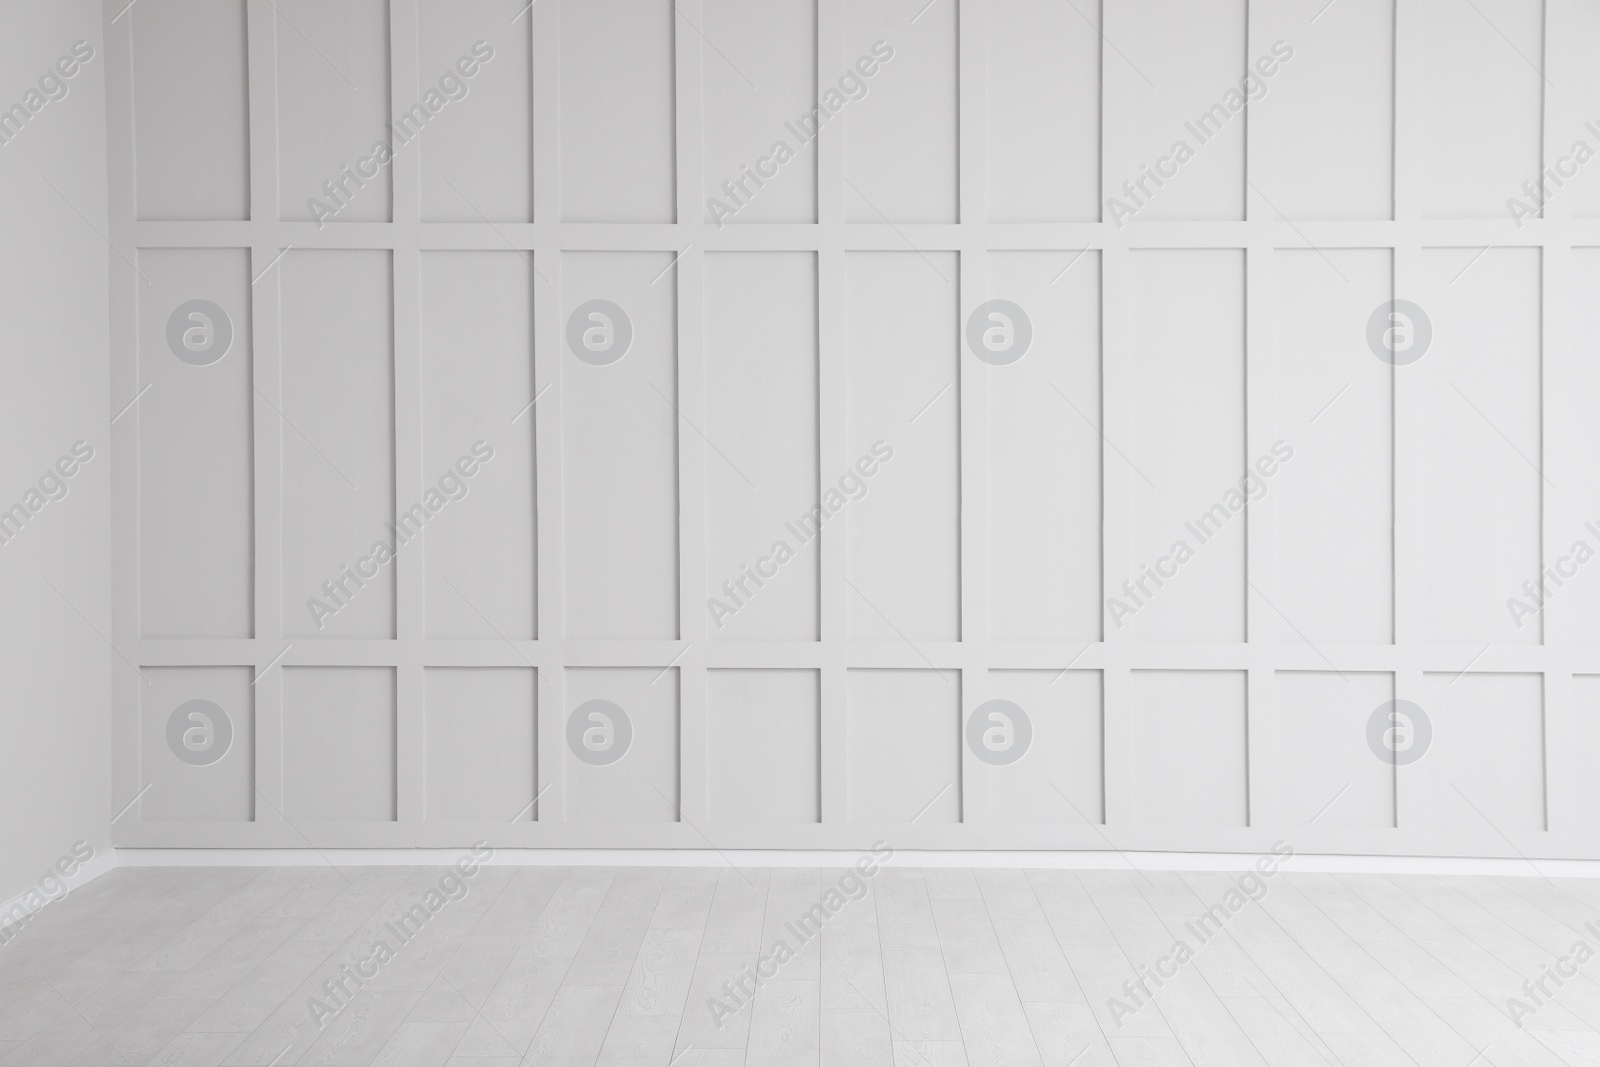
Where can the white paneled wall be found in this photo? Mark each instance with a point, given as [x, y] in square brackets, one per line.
[582, 398]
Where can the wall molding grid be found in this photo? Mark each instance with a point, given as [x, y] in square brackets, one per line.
[1213, 722]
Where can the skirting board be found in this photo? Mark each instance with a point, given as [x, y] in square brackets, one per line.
[106, 860]
[1065, 860]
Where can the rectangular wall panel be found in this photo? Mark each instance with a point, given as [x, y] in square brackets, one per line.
[1484, 450]
[1479, 68]
[900, 154]
[477, 158]
[1060, 777]
[1187, 457]
[197, 744]
[1571, 29]
[761, 476]
[1044, 412]
[1326, 766]
[1332, 500]
[1584, 750]
[903, 555]
[617, 91]
[339, 744]
[481, 745]
[1484, 768]
[1325, 114]
[760, 86]
[477, 377]
[641, 784]
[333, 107]
[1573, 533]
[1175, 82]
[763, 731]
[191, 121]
[620, 423]
[903, 753]
[1189, 748]
[337, 415]
[1043, 153]
[196, 504]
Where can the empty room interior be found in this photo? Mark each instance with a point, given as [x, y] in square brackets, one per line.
[748, 533]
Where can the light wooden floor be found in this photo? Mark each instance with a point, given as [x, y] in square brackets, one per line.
[591, 965]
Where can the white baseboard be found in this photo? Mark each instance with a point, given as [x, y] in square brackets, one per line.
[1081, 861]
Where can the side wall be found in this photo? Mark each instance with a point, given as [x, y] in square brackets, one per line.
[55, 580]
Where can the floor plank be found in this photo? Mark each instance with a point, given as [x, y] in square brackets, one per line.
[624, 966]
